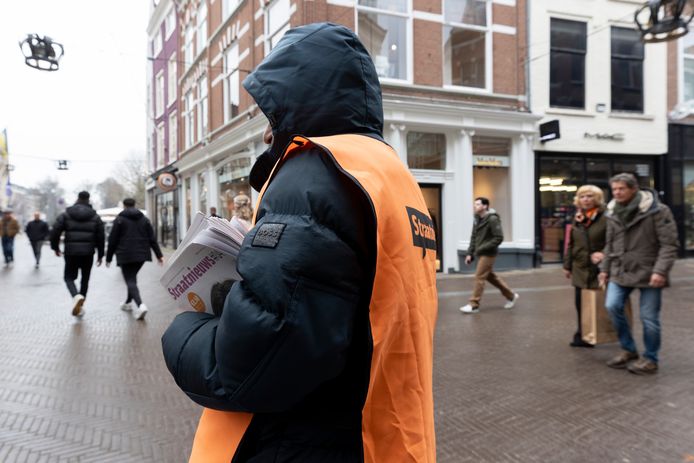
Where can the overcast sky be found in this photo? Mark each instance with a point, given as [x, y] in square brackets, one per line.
[92, 110]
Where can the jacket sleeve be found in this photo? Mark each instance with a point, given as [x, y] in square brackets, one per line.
[153, 240]
[607, 250]
[113, 240]
[100, 237]
[473, 237]
[58, 228]
[666, 234]
[285, 328]
[497, 236]
[44, 231]
[568, 258]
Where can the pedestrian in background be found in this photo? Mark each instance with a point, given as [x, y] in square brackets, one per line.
[213, 212]
[641, 247]
[9, 227]
[130, 240]
[243, 210]
[486, 237]
[84, 235]
[584, 249]
[37, 232]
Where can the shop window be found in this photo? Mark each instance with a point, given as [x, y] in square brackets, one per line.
[233, 181]
[642, 170]
[189, 201]
[382, 26]
[567, 70]
[426, 151]
[167, 211]
[465, 39]
[492, 178]
[688, 67]
[432, 198]
[202, 192]
[627, 70]
[689, 205]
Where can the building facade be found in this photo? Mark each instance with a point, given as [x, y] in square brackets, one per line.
[454, 82]
[590, 72]
[162, 199]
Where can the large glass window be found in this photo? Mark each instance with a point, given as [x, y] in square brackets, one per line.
[277, 22]
[167, 211]
[627, 70]
[382, 27]
[465, 37]
[567, 69]
[689, 205]
[201, 26]
[233, 181]
[231, 82]
[202, 192]
[688, 67]
[426, 150]
[432, 198]
[492, 178]
[202, 108]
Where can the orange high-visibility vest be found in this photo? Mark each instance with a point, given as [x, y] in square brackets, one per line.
[398, 416]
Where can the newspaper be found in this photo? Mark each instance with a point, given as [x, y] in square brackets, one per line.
[203, 262]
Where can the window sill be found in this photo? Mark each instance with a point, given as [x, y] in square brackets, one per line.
[570, 112]
[627, 115]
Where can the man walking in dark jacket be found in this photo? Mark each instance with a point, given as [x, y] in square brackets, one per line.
[130, 240]
[37, 232]
[484, 245]
[84, 234]
[640, 249]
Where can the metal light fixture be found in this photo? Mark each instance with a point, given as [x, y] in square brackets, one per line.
[662, 20]
[41, 53]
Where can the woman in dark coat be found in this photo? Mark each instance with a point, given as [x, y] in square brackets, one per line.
[584, 250]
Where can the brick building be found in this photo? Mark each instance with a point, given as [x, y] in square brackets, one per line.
[454, 82]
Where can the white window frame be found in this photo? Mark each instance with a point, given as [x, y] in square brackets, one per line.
[160, 145]
[173, 137]
[409, 40]
[201, 27]
[159, 103]
[189, 46]
[173, 77]
[170, 22]
[202, 109]
[683, 56]
[188, 121]
[488, 52]
[281, 29]
[228, 8]
[231, 73]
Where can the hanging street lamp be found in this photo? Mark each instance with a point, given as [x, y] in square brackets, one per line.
[41, 53]
[663, 20]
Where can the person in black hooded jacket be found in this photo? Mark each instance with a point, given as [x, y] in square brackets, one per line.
[84, 234]
[130, 240]
[317, 257]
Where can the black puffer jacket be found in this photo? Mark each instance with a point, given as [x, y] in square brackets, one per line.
[131, 238]
[37, 230]
[84, 231]
[293, 343]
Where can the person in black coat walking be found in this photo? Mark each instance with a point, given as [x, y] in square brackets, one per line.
[84, 234]
[37, 232]
[130, 240]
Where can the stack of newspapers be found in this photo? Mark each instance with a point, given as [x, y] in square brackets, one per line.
[204, 262]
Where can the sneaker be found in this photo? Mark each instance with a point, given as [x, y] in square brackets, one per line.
[140, 312]
[643, 367]
[77, 303]
[512, 302]
[469, 309]
[126, 307]
[622, 360]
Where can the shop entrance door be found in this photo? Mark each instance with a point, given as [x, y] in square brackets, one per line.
[432, 196]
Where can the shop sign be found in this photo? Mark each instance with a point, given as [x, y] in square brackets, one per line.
[490, 161]
[167, 182]
[605, 136]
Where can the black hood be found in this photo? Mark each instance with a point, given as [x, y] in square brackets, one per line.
[319, 80]
[131, 213]
[81, 212]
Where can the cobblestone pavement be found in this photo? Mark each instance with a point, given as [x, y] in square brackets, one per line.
[508, 387]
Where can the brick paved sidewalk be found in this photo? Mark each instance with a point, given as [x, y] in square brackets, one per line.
[508, 387]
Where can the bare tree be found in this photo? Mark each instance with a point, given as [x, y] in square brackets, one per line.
[111, 192]
[132, 174]
[50, 197]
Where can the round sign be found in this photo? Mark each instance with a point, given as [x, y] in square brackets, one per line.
[166, 181]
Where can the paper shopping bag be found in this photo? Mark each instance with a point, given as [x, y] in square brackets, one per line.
[596, 325]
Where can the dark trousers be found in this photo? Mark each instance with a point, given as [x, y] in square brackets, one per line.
[578, 310]
[73, 264]
[130, 276]
[36, 247]
[8, 248]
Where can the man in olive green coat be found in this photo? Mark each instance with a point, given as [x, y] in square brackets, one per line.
[484, 245]
[641, 247]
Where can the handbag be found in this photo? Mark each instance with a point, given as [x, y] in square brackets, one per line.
[596, 325]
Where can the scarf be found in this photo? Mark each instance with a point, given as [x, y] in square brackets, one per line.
[626, 212]
[586, 216]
